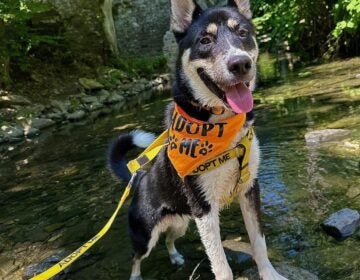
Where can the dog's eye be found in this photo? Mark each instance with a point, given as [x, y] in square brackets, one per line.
[206, 40]
[243, 32]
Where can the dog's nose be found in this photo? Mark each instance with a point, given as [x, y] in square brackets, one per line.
[239, 64]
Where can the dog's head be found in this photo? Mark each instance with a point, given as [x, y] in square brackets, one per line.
[217, 52]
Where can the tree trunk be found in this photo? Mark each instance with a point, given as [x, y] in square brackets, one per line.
[109, 26]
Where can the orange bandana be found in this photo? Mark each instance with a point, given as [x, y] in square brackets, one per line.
[193, 142]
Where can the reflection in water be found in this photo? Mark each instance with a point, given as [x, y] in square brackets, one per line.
[56, 192]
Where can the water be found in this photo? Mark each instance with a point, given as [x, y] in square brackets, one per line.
[56, 192]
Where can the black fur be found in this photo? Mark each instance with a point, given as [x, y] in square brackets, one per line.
[253, 195]
[116, 156]
[161, 192]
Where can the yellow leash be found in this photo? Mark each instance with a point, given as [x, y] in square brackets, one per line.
[242, 150]
[64, 263]
[134, 165]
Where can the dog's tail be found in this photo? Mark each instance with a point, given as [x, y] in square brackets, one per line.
[123, 144]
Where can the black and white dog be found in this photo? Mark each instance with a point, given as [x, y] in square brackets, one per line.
[216, 67]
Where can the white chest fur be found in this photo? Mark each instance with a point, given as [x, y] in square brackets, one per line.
[220, 182]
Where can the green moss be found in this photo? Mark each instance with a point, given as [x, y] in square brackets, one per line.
[142, 66]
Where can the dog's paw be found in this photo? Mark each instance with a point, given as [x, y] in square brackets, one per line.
[137, 277]
[177, 259]
[269, 273]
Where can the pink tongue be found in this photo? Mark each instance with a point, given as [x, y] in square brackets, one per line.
[240, 98]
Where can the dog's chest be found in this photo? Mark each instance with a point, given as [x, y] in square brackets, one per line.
[221, 182]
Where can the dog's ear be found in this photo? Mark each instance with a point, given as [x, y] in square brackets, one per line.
[243, 6]
[183, 12]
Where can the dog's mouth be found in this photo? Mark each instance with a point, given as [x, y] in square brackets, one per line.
[237, 96]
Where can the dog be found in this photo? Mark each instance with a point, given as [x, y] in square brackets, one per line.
[215, 75]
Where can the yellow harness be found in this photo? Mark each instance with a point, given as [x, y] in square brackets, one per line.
[241, 151]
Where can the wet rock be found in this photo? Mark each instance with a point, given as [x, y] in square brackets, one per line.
[31, 132]
[59, 106]
[90, 84]
[41, 123]
[357, 76]
[56, 116]
[53, 227]
[290, 272]
[12, 134]
[13, 100]
[91, 103]
[7, 266]
[35, 269]
[326, 135]
[342, 224]
[125, 87]
[103, 96]
[76, 116]
[114, 98]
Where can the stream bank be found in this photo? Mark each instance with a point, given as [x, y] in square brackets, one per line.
[56, 192]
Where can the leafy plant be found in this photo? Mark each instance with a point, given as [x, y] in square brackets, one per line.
[306, 27]
[142, 66]
[347, 16]
[18, 36]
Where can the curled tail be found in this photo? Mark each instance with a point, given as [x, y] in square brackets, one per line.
[123, 144]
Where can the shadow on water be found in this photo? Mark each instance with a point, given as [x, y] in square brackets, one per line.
[56, 193]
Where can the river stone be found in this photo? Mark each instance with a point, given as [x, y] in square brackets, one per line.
[90, 84]
[31, 132]
[7, 266]
[56, 116]
[238, 252]
[342, 224]
[89, 100]
[12, 133]
[326, 135]
[103, 96]
[41, 123]
[76, 116]
[12, 100]
[62, 106]
[114, 98]
[91, 103]
[35, 269]
[290, 272]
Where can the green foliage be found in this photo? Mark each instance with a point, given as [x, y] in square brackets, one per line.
[308, 28]
[347, 16]
[278, 23]
[267, 68]
[18, 37]
[142, 66]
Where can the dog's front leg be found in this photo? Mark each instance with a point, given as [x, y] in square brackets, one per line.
[250, 208]
[209, 229]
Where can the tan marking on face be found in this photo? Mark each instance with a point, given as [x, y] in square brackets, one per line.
[212, 29]
[232, 23]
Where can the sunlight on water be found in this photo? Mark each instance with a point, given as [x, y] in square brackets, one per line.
[57, 193]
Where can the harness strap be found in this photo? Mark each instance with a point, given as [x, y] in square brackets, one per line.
[149, 154]
[240, 151]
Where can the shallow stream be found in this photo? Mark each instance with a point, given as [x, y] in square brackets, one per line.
[56, 192]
